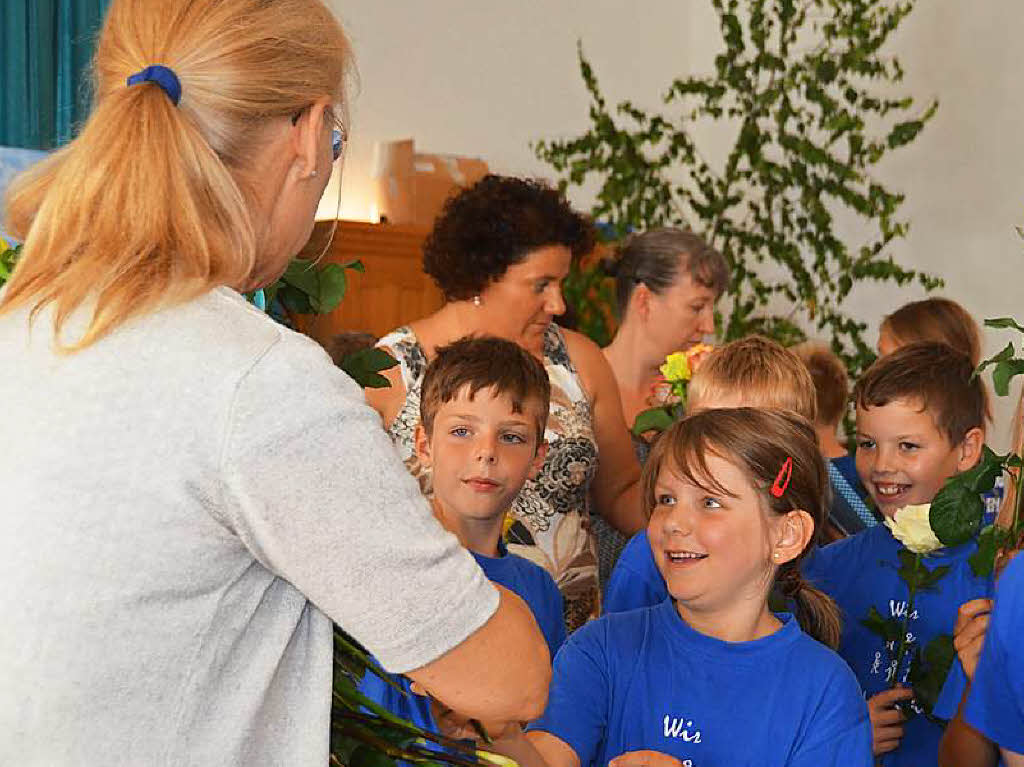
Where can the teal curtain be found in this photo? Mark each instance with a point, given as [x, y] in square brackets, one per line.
[45, 50]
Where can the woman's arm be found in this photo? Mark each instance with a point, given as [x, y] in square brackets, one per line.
[616, 487]
[468, 679]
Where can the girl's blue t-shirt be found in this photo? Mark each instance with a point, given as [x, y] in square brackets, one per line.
[995, 704]
[859, 573]
[645, 680]
[635, 581]
[530, 582]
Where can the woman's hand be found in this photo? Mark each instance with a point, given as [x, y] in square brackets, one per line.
[969, 634]
[886, 719]
[645, 759]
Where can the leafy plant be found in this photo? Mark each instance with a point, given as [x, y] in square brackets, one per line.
[363, 734]
[804, 88]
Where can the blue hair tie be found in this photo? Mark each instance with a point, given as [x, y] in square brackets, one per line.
[162, 76]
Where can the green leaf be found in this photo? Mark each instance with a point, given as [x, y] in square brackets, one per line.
[653, 419]
[929, 669]
[333, 284]
[1004, 322]
[956, 513]
[981, 477]
[983, 560]
[364, 367]
[929, 578]
[888, 629]
[366, 756]
[1005, 372]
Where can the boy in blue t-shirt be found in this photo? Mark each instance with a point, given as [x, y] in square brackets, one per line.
[920, 420]
[483, 408]
[750, 372]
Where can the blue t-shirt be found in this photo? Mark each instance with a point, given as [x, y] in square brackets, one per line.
[531, 582]
[636, 580]
[995, 705]
[645, 680]
[859, 573]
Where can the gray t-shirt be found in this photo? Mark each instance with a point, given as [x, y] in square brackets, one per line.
[186, 505]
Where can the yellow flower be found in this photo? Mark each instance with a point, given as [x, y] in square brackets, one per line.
[3, 245]
[676, 367]
[910, 526]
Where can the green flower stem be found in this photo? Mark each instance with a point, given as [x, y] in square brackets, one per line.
[901, 649]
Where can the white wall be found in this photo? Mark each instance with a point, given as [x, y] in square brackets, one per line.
[486, 77]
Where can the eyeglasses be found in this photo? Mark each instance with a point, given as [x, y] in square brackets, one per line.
[337, 134]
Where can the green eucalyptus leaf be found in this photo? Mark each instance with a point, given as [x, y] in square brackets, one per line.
[956, 513]
[653, 419]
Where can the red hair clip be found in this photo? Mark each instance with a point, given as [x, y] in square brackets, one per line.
[782, 478]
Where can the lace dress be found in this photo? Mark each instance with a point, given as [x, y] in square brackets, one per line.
[550, 520]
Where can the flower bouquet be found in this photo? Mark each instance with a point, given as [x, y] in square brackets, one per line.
[670, 390]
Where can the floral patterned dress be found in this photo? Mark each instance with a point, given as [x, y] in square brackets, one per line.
[550, 520]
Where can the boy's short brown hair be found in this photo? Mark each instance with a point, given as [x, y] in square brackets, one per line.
[934, 374]
[758, 368]
[485, 362]
[831, 384]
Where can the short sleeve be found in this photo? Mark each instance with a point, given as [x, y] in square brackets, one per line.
[840, 734]
[578, 701]
[995, 704]
[952, 691]
[552, 621]
[314, 489]
[635, 581]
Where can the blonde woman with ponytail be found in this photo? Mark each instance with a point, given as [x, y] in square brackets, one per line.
[192, 493]
[712, 675]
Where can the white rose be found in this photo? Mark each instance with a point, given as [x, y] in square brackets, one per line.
[910, 526]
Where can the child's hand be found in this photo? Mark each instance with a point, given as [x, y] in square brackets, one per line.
[969, 634]
[886, 719]
[644, 759]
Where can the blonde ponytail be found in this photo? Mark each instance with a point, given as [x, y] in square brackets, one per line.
[153, 204]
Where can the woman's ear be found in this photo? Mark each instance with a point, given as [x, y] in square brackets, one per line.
[640, 302]
[307, 137]
[970, 448]
[422, 445]
[793, 532]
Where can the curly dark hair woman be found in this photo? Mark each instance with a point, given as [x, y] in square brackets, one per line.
[495, 223]
[499, 252]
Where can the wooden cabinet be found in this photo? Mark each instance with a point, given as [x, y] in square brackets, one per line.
[393, 290]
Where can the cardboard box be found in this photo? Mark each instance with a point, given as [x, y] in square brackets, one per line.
[412, 187]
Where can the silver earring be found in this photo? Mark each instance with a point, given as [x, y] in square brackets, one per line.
[476, 300]
[775, 555]
[312, 174]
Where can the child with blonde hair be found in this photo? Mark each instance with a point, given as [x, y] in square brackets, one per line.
[849, 513]
[712, 676]
[749, 372]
